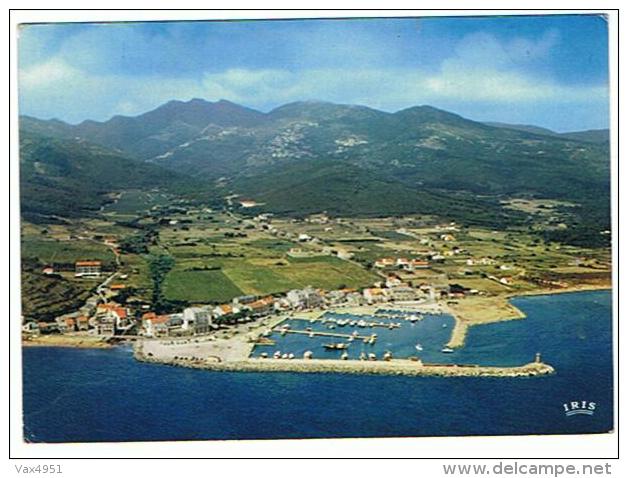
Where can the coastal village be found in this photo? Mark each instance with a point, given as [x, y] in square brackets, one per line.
[428, 270]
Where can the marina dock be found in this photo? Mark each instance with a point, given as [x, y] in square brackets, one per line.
[324, 334]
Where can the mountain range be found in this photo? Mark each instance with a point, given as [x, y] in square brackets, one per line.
[345, 159]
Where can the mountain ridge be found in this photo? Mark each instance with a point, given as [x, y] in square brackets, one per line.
[353, 159]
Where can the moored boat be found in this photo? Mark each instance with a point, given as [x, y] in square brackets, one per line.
[337, 346]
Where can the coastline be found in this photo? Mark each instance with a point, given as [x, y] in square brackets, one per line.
[70, 341]
[464, 320]
[231, 352]
[566, 290]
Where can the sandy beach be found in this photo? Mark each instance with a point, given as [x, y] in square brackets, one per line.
[472, 311]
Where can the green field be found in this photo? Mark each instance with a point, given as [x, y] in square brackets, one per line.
[260, 276]
[259, 280]
[53, 251]
[327, 273]
[199, 286]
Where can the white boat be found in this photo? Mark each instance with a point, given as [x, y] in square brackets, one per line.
[444, 326]
[447, 350]
[419, 347]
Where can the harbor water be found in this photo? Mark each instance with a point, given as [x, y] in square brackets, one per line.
[79, 395]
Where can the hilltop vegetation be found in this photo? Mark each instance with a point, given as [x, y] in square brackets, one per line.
[311, 156]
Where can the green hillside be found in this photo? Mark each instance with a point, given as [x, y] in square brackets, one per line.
[71, 178]
[314, 156]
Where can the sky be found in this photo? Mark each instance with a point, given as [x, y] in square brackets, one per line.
[548, 70]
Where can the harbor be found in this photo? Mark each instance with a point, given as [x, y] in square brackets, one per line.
[411, 343]
[260, 398]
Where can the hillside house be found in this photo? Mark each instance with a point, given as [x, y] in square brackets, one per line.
[403, 263]
[87, 268]
[384, 262]
[419, 264]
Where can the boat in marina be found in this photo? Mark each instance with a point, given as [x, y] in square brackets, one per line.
[336, 346]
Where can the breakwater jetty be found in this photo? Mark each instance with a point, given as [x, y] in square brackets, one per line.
[392, 367]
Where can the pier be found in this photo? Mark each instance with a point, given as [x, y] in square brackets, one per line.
[369, 324]
[324, 334]
[392, 367]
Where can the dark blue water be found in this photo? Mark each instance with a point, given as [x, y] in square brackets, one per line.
[104, 395]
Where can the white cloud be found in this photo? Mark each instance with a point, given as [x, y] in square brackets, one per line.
[47, 73]
[481, 71]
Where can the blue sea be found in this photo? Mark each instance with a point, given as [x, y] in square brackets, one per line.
[74, 395]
